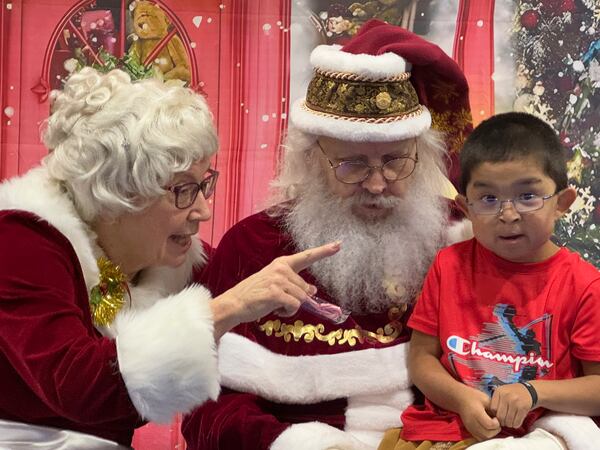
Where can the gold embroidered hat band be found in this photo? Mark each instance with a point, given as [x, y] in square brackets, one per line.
[353, 96]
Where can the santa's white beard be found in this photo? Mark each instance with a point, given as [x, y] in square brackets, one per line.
[382, 261]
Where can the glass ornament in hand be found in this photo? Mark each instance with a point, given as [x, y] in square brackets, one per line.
[321, 308]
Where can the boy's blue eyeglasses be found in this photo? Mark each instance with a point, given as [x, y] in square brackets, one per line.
[524, 203]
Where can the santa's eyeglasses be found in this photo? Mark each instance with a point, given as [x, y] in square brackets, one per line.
[186, 193]
[353, 172]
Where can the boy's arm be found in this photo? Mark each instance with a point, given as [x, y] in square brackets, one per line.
[442, 389]
[512, 402]
[576, 396]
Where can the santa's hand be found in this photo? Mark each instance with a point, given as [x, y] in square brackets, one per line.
[277, 287]
[475, 417]
[510, 404]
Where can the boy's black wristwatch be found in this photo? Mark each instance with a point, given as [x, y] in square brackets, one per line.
[532, 392]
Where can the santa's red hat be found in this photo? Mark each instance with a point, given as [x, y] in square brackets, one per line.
[386, 84]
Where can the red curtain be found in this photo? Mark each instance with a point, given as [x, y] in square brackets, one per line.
[252, 106]
[10, 98]
[474, 53]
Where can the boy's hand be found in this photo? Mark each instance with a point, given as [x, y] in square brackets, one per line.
[510, 404]
[475, 418]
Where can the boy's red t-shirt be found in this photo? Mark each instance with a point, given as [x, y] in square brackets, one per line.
[500, 322]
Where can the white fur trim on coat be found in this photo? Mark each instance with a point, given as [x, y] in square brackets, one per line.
[369, 416]
[316, 436]
[331, 58]
[167, 354]
[339, 127]
[248, 367]
[578, 432]
[459, 232]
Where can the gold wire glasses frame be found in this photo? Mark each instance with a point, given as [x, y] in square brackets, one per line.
[186, 193]
[522, 204]
[354, 172]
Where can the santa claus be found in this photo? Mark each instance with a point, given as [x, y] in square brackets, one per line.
[362, 164]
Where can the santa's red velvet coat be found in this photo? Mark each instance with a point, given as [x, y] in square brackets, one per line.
[299, 382]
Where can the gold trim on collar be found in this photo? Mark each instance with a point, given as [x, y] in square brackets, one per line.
[298, 330]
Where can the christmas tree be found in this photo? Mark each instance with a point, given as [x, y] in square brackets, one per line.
[557, 54]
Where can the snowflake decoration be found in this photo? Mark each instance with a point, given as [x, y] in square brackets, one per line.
[575, 166]
[541, 110]
[581, 209]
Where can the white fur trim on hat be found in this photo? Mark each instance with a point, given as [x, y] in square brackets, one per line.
[331, 58]
[352, 130]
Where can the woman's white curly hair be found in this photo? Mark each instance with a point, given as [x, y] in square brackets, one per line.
[299, 164]
[115, 144]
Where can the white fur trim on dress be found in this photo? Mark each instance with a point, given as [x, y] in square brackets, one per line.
[316, 436]
[167, 354]
[158, 282]
[248, 367]
[41, 195]
[331, 58]
[578, 432]
[339, 127]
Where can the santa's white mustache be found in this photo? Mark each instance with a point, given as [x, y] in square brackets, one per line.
[381, 201]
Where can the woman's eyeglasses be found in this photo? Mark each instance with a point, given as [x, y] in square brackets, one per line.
[186, 193]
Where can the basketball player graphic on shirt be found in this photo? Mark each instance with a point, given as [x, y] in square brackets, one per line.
[503, 352]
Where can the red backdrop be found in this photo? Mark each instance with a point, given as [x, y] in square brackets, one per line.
[239, 52]
[240, 57]
[236, 46]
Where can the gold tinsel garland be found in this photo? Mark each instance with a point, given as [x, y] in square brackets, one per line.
[108, 296]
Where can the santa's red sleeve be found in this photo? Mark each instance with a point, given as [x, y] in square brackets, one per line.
[237, 421]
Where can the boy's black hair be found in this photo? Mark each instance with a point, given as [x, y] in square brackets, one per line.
[510, 136]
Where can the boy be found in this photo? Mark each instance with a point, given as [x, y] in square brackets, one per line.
[507, 323]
